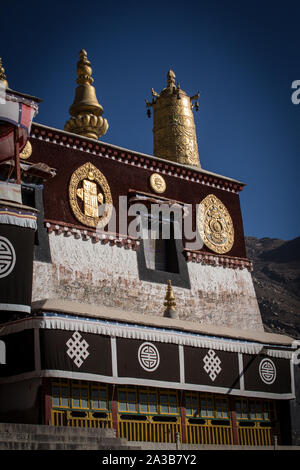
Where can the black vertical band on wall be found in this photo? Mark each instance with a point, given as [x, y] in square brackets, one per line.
[41, 247]
[32, 195]
[19, 353]
[16, 266]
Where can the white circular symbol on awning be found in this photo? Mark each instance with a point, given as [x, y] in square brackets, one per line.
[267, 371]
[7, 257]
[148, 357]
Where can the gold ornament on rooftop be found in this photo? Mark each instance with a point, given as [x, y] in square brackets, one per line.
[90, 196]
[215, 225]
[86, 113]
[157, 183]
[170, 303]
[174, 132]
[27, 151]
[3, 80]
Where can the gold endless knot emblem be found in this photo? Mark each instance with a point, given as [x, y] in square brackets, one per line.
[157, 183]
[90, 196]
[215, 225]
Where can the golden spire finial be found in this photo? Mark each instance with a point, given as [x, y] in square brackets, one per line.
[170, 303]
[84, 70]
[86, 112]
[2, 74]
[174, 132]
[171, 78]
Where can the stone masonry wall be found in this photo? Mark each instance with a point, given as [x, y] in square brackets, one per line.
[93, 273]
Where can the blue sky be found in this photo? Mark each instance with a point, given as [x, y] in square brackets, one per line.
[242, 55]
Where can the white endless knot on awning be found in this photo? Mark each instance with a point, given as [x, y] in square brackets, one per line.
[212, 364]
[77, 349]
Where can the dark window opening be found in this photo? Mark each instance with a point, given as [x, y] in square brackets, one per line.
[161, 256]
[159, 245]
[28, 199]
[28, 196]
[32, 196]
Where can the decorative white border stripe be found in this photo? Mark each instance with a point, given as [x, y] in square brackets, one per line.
[181, 364]
[241, 374]
[114, 359]
[29, 101]
[144, 382]
[145, 333]
[16, 308]
[22, 220]
[103, 238]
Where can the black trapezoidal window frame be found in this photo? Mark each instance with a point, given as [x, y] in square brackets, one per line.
[178, 279]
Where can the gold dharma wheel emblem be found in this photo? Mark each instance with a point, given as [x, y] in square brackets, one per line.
[90, 196]
[215, 225]
[157, 183]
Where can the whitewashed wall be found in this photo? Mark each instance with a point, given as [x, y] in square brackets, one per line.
[93, 273]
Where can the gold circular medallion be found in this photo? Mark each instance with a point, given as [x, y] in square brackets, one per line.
[215, 225]
[90, 196]
[27, 151]
[157, 183]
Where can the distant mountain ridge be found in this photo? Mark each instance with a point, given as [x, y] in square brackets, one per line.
[276, 278]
